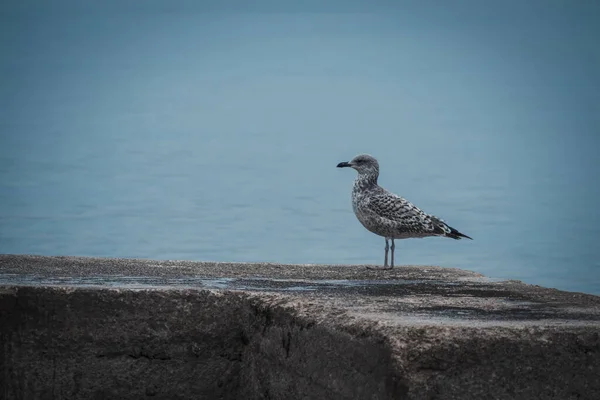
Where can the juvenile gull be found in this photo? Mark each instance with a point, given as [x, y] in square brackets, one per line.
[387, 214]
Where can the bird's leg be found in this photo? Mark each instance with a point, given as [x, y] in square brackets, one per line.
[387, 247]
[393, 247]
[385, 263]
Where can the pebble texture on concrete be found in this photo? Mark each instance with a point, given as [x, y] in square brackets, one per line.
[85, 328]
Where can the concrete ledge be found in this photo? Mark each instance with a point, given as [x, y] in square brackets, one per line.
[84, 328]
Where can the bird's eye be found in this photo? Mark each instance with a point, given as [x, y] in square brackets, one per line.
[359, 161]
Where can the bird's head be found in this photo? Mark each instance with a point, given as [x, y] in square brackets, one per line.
[363, 163]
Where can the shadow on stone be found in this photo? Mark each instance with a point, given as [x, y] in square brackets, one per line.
[86, 343]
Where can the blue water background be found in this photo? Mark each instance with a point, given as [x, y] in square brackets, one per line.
[189, 130]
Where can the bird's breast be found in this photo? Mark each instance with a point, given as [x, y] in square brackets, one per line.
[366, 216]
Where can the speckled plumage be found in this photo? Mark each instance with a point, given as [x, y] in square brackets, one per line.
[387, 214]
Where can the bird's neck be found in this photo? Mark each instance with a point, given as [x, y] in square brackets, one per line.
[365, 181]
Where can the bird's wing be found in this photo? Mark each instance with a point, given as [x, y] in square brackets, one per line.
[406, 214]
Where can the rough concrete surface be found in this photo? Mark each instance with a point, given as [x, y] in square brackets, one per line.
[85, 328]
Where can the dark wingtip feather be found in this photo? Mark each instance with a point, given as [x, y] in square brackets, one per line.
[442, 229]
[454, 234]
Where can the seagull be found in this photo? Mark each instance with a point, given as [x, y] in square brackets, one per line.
[389, 215]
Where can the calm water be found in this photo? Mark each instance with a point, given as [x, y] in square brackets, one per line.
[187, 134]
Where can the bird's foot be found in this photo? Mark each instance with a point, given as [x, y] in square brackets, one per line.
[384, 268]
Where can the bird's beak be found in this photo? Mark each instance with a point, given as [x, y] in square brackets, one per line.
[343, 164]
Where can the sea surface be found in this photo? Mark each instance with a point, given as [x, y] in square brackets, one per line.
[184, 133]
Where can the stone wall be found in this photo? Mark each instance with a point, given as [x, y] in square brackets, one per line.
[86, 328]
[82, 343]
